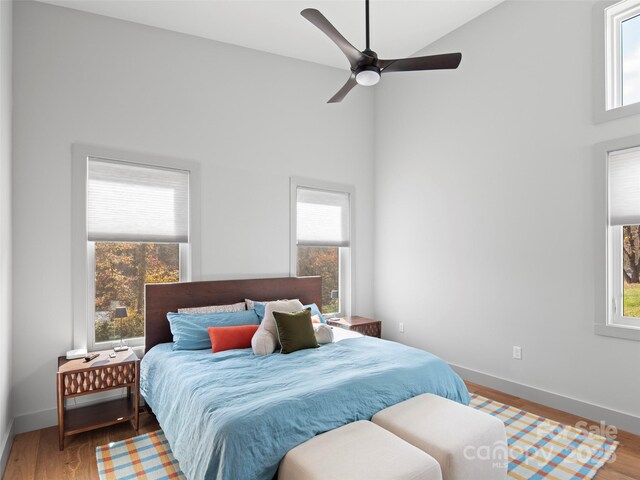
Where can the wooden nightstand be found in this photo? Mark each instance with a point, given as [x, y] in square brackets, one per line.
[77, 378]
[363, 325]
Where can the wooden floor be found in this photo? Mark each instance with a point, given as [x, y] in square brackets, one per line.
[35, 455]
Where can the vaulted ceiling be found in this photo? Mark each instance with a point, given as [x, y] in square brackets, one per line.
[399, 28]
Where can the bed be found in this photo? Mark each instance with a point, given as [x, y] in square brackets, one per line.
[234, 415]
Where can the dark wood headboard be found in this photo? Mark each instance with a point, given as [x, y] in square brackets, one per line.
[161, 298]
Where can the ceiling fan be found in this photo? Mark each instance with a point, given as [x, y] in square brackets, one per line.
[366, 67]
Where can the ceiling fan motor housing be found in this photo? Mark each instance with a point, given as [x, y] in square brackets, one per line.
[367, 72]
[368, 75]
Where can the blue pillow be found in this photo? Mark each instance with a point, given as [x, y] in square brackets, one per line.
[190, 329]
[316, 311]
[259, 309]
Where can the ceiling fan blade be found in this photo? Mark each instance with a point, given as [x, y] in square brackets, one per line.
[320, 21]
[346, 88]
[430, 62]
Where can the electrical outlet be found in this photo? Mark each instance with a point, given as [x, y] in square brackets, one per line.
[517, 353]
[401, 327]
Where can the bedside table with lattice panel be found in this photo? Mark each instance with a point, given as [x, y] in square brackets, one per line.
[78, 378]
[363, 325]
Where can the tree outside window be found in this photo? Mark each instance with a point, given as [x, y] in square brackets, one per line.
[325, 262]
[631, 270]
[121, 270]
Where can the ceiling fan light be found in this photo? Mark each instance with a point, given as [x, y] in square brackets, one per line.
[368, 77]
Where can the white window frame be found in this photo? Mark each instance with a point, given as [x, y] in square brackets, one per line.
[614, 16]
[607, 21]
[83, 251]
[346, 254]
[610, 320]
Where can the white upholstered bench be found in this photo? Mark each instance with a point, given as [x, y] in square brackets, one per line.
[467, 443]
[358, 451]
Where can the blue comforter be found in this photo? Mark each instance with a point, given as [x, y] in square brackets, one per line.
[234, 415]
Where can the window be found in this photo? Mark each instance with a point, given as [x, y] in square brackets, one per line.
[132, 226]
[624, 237]
[120, 271]
[622, 23]
[322, 239]
[137, 219]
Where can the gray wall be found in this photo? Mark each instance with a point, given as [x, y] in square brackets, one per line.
[5, 228]
[251, 119]
[486, 193]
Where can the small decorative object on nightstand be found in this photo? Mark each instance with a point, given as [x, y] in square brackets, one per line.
[78, 377]
[363, 325]
[121, 313]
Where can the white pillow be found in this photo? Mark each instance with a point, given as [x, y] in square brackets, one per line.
[263, 343]
[265, 340]
[324, 333]
[236, 307]
[252, 303]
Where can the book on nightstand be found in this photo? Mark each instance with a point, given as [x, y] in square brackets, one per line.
[79, 353]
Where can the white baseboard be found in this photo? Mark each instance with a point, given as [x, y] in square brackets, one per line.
[622, 420]
[35, 421]
[5, 448]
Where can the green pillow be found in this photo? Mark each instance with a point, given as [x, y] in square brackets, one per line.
[295, 331]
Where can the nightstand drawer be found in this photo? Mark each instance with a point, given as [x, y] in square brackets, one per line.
[103, 378]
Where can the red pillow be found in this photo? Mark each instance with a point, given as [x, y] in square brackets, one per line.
[231, 338]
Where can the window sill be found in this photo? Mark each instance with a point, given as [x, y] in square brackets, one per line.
[625, 332]
[603, 116]
[132, 343]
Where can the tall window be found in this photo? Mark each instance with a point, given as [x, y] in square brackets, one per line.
[623, 53]
[137, 233]
[624, 237]
[321, 240]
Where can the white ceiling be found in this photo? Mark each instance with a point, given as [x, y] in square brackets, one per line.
[399, 28]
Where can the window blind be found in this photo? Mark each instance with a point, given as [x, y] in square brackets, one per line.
[624, 187]
[129, 202]
[322, 218]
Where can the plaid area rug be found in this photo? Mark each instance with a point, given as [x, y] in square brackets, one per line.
[543, 448]
[538, 448]
[145, 456]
